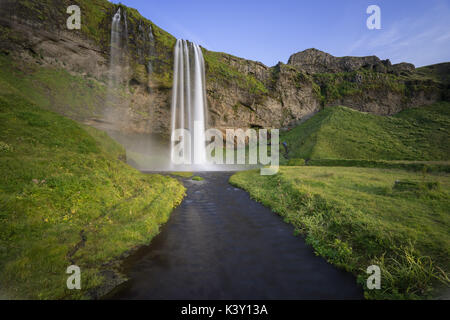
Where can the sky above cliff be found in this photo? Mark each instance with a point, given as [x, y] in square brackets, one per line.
[270, 31]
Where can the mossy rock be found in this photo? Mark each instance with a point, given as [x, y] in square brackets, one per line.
[140, 74]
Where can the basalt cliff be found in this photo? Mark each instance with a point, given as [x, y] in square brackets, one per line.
[240, 93]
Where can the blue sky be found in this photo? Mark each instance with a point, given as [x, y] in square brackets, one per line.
[270, 31]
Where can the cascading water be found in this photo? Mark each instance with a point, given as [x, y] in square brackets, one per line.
[189, 109]
[116, 50]
[116, 107]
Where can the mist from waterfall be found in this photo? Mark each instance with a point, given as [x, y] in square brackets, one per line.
[151, 152]
[189, 108]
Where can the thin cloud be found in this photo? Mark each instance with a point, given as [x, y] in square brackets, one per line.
[420, 41]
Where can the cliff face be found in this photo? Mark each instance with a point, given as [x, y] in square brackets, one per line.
[240, 93]
[34, 32]
[245, 94]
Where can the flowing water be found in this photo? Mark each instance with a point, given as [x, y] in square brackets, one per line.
[220, 244]
[115, 112]
[189, 110]
[115, 51]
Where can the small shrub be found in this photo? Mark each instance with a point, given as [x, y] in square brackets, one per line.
[416, 186]
[406, 185]
[433, 185]
[4, 147]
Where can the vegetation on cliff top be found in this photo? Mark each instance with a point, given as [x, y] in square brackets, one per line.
[335, 86]
[356, 217]
[343, 133]
[219, 71]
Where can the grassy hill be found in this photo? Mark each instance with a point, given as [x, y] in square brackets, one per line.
[343, 133]
[66, 197]
[438, 72]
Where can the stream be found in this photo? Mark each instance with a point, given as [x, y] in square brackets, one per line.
[220, 244]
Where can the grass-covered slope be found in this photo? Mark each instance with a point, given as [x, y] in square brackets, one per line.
[343, 133]
[53, 88]
[438, 72]
[66, 197]
[357, 217]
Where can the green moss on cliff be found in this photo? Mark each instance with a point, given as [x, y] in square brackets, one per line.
[95, 17]
[220, 71]
[157, 51]
[335, 86]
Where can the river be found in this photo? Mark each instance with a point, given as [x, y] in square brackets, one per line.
[220, 244]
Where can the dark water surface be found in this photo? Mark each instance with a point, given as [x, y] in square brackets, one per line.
[220, 244]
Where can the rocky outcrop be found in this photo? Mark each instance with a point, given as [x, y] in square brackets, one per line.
[247, 94]
[315, 61]
[240, 93]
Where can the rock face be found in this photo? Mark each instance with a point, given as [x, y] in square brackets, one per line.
[247, 94]
[315, 61]
[240, 93]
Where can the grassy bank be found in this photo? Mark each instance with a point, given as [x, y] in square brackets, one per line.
[344, 133]
[418, 166]
[356, 217]
[68, 198]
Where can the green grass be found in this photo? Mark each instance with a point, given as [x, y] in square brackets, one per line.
[197, 178]
[356, 217]
[61, 182]
[183, 174]
[419, 166]
[343, 133]
[53, 89]
[438, 72]
[296, 162]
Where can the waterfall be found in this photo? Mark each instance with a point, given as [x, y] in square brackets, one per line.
[116, 51]
[116, 109]
[152, 52]
[189, 109]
